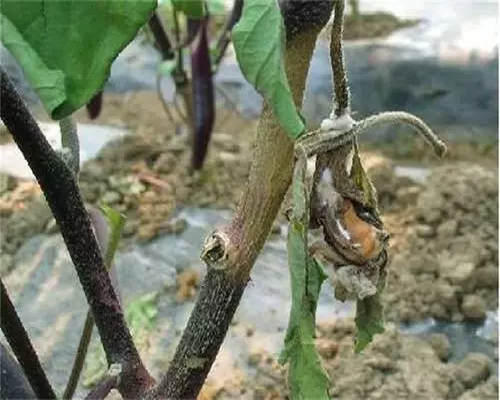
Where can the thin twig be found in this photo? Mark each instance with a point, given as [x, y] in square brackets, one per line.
[393, 117]
[103, 234]
[225, 36]
[63, 196]
[102, 389]
[13, 381]
[228, 100]
[19, 341]
[79, 360]
[166, 108]
[341, 86]
[318, 141]
[161, 37]
[177, 35]
[232, 103]
[69, 140]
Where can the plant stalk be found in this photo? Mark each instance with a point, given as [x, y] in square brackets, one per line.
[243, 238]
[19, 341]
[61, 191]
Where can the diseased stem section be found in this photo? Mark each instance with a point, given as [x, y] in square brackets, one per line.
[20, 343]
[319, 142]
[341, 86]
[63, 196]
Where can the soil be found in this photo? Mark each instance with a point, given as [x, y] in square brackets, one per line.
[448, 267]
[444, 233]
[375, 25]
[144, 175]
[444, 245]
[395, 366]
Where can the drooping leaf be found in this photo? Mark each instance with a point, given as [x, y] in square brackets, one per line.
[66, 47]
[191, 8]
[364, 183]
[116, 223]
[259, 42]
[369, 317]
[307, 378]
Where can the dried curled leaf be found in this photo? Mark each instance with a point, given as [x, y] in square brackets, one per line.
[345, 205]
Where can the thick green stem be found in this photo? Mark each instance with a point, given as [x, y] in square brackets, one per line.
[236, 246]
[271, 170]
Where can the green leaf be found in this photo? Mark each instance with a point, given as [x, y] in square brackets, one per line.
[141, 313]
[167, 67]
[369, 317]
[66, 47]
[216, 7]
[190, 8]
[259, 42]
[307, 378]
[116, 223]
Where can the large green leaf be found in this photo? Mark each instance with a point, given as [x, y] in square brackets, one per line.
[307, 377]
[66, 47]
[259, 41]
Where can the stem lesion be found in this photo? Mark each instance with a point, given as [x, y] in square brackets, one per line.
[340, 128]
[342, 103]
[321, 141]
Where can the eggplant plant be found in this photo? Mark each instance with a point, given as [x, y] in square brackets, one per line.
[194, 99]
[274, 43]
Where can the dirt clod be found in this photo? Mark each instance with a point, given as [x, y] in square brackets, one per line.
[187, 282]
[441, 346]
[474, 368]
[448, 267]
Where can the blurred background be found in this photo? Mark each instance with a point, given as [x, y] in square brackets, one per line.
[438, 60]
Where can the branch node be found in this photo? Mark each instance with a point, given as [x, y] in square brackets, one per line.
[115, 369]
[343, 122]
[215, 250]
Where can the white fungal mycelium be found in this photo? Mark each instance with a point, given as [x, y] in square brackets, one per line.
[326, 191]
[349, 160]
[330, 197]
[343, 123]
[342, 230]
[352, 278]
